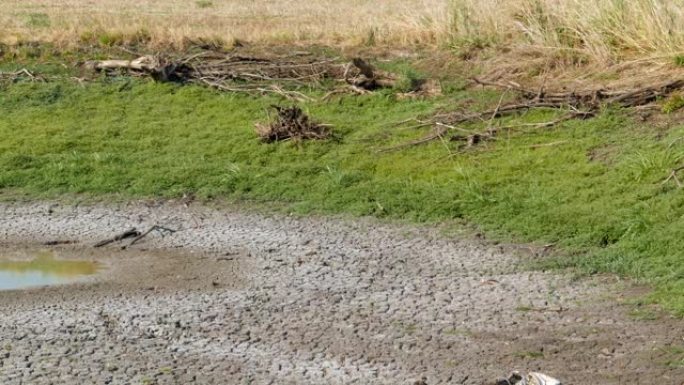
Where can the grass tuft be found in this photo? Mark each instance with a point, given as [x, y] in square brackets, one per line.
[204, 3]
[673, 103]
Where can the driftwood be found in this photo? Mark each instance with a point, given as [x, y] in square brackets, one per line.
[291, 123]
[254, 75]
[130, 233]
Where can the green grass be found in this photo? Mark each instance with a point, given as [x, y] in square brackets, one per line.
[673, 356]
[528, 355]
[595, 189]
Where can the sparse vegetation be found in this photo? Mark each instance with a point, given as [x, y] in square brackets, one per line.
[673, 103]
[529, 355]
[204, 3]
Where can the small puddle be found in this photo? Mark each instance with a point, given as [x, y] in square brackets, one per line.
[43, 270]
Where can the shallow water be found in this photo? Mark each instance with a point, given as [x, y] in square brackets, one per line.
[42, 270]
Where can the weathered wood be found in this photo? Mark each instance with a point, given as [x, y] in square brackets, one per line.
[252, 73]
[144, 63]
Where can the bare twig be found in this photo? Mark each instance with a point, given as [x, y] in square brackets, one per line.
[673, 176]
[161, 229]
[291, 123]
[438, 133]
[534, 146]
[235, 73]
[126, 234]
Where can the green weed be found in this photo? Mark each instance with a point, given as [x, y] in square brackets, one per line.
[673, 103]
[528, 354]
[679, 60]
[38, 20]
[204, 3]
[673, 356]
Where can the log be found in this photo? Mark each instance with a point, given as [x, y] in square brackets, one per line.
[144, 64]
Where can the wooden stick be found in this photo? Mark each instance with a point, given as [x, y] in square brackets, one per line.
[132, 232]
[143, 235]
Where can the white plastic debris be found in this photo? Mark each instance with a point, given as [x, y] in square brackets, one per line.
[532, 378]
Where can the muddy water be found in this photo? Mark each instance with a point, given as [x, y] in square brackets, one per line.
[44, 269]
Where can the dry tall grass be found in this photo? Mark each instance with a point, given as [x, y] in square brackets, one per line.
[336, 22]
[598, 30]
[601, 31]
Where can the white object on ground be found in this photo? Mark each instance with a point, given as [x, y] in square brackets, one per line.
[532, 378]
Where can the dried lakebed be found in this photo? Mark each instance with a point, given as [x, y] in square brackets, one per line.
[238, 298]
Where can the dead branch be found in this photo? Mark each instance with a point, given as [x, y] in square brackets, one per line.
[370, 78]
[593, 98]
[60, 242]
[451, 121]
[21, 74]
[541, 145]
[291, 123]
[438, 133]
[673, 176]
[163, 230]
[253, 75]
[126, 234]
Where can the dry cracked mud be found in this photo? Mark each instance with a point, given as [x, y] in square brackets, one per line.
[239, 298]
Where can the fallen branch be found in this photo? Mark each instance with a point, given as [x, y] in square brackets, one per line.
[552, 144]
[60, 242]
[438, 133]
[473, 138]
[673, 176]
[161, 229]
[370, 78]
[291, 123]
[126, 234]
[21, 74]
[235, 73]
[593, 98]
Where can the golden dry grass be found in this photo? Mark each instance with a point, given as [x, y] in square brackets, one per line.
[334, 22]
[541, 33]
[604, 31]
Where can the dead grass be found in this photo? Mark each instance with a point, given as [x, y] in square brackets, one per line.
[334, 22]
[573, 31]
[517, 38]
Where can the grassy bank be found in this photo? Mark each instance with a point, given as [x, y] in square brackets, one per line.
[593, 187]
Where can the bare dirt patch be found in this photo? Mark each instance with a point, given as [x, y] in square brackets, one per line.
[235, 297]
